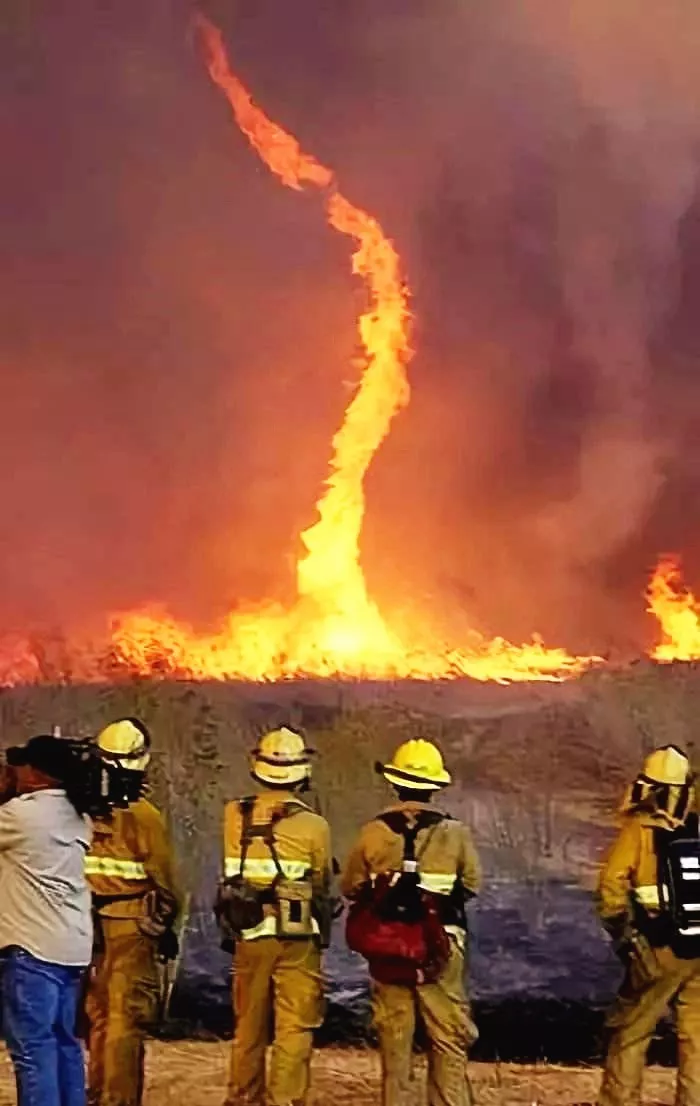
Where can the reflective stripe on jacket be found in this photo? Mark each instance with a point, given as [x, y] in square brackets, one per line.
[302, 843]
[445, 853]
[131, 854]
[268, 927]
[264, 871]
[120, 869]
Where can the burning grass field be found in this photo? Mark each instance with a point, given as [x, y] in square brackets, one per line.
[196, 1073]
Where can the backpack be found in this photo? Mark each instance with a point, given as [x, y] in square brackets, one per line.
[678, 855]
[396, 925]
[240, 904]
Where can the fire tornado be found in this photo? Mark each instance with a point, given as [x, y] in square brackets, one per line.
[336, 627]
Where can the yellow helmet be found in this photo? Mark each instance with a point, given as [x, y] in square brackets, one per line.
[665, 785]
[281, 757]
[417, 764]
[126, 744]
[667, 765]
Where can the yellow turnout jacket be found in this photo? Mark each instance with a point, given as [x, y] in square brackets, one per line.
[302, 843]
[444, 853]
[131, 855]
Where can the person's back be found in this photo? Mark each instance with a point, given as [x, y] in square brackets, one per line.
[273, 903]
[446, 852]
[662, 964]
[447, 868]
[300, 845]
[45, 924]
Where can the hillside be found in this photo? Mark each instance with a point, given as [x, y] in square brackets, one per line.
[538, 770]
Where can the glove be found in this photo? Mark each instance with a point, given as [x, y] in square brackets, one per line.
[159, 911]
[168, 946]
[634, 950]
[618, 930]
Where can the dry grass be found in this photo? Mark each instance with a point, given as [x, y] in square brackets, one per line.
[196, 1074]
[533, 764]
[538, 774]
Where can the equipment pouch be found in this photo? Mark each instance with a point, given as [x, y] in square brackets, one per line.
[644, 964]
[158, 914]
[239, 906]
[294, 908]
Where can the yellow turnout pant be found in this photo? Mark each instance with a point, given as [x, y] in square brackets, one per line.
[444, 1009]
[121, 1006]
[641, 1004]
[278, 979]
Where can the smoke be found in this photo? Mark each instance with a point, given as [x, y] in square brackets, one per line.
[551, 264]
[177, 331]
[621, 199]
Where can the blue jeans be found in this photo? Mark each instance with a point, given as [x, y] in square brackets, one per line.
[39, 1013]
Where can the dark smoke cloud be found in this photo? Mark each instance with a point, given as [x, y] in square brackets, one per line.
[176, 327]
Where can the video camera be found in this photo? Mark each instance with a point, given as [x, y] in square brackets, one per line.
[89, 784]
[94, 785]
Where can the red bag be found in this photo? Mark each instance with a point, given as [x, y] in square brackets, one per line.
[396, 925]
[404, 953]
[376, 936]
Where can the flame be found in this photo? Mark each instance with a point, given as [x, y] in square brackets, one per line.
[19, 663]
[344, 620]
[677, 610]
[335, 628]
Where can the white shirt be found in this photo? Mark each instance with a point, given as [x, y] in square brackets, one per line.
[45, 902]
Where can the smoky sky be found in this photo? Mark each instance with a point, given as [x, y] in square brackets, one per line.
[177, 330]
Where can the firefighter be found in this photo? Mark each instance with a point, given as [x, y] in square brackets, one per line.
[274, 902]
[631, 909]
[135, 903]
[449, 868]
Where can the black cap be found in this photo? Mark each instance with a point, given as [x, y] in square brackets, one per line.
[48, 754]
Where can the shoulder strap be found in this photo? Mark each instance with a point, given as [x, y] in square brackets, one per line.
[431, 819]
[688, 830]
[269, 839]
[246, 807]
[397, 822]
[264, 830]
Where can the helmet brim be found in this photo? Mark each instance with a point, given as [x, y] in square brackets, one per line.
[265, 772]
[398, 778]
[127, 764]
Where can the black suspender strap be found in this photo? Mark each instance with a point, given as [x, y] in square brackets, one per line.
[397, 821]
[266, 831]
[246, 807]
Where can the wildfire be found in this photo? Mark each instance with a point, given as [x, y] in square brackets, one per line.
[335, 628]
[678, 613]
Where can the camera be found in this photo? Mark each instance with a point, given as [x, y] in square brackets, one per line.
[94, 786]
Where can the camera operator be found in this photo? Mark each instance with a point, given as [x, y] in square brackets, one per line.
[45, 920]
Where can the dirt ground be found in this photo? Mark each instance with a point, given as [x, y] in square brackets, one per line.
[194, 1074]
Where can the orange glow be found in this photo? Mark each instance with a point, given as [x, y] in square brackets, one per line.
[18, 662]
[678, 613]
[335, 628]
